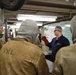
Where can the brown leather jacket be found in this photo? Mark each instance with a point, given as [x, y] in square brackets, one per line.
[65, 63]
[19, 57]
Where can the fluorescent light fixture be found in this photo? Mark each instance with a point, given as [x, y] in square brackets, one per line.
[14, 26]
[18, 23]
[67, 25]
[63, 27]
[36, 17]
[67, 0]
[52, 27]
[39, 24]
[46, 26]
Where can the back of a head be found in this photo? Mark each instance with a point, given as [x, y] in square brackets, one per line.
[73, 28]
[28, 30]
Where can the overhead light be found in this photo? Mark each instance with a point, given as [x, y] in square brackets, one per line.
[36, 17]
[67, 25]
[52, 27]
[39, 24]
[63, 27]
[14, 26]
[67, 0]
[18, 23]
[46, 26]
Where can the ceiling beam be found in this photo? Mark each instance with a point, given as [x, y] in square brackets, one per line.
[14, 14]
[63, 2]
[48, 9]
[37, 3]
[59, 20]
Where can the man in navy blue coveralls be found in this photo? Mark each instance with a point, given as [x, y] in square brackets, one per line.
[58, 42]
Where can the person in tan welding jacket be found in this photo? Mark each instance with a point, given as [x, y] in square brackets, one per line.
[21, 56]
[65, 62]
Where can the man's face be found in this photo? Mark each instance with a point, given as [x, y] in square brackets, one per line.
[56, 33]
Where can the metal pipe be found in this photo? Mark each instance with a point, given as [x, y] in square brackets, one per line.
[63, 19]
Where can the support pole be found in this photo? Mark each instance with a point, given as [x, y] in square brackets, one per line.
[2, 15]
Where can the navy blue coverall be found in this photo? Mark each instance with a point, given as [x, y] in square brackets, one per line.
[56, 44]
